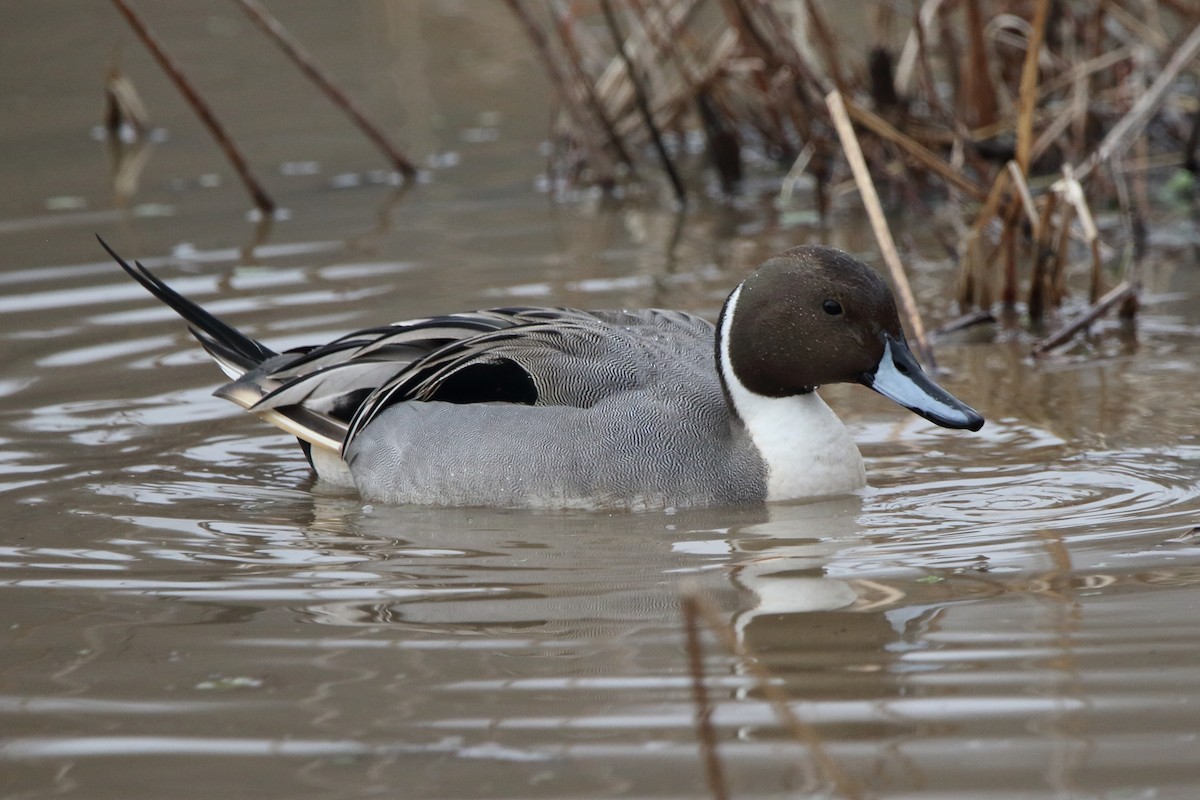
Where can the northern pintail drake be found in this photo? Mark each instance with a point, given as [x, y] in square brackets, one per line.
[557, 407]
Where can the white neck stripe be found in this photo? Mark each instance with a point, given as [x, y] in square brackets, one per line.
[806, 449]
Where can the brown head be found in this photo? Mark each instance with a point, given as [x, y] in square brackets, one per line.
[814, 315]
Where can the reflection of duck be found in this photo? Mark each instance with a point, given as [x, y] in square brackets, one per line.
[560, 407]
[823, 638]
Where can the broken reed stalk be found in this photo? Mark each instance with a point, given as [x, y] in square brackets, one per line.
[1119, 293]
[643, 103]
[274, 29]
[262, 200]
[708, 737]
[1072, 191]
[883, 234]
[123, 106]
[829, 769]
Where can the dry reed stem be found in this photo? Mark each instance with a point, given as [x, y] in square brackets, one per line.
[1045, 230]
[588, 89]
[1009, 235]
[1131, 125]
[1134, 249]
[973, 261]
[883, 234]
[1054, 67]
[1101, 63]
[262, 200]
[966, 321]
[643, 103]
[713, 771]
[980, 92]
[1121, 292]
[828, 45]
[313, 70]
[921, 57]
[1018, 180]
[923, 155]
[788, 185]
[1072, 191]
[123, 106]
[569, 99]
[1056, 283]
[664, 35]
[1029, 82]
[1150, 34]
[768, 684]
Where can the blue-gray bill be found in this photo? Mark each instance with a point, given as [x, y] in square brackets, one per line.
[900, 378]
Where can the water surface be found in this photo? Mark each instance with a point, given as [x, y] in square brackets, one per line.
[1009, 613]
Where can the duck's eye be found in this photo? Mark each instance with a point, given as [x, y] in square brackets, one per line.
[832, 307]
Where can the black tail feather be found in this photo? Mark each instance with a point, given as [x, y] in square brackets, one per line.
[218, 338]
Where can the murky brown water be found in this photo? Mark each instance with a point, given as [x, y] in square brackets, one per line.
[1006, 614]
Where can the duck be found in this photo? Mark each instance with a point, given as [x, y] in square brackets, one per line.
[525, 407]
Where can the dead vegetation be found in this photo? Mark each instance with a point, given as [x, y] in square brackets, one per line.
[1002, 123]
[1011, 120]
[123, 108]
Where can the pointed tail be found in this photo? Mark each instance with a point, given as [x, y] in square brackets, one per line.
[235, 352]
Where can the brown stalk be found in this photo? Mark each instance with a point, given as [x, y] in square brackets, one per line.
[1018, 180]
[973, 262]
[578, 115]
[1119, 293]
[883, 235]
[966, 321]
[980, 93]
[828, 44]
[1072, 191]
[1134, 248]
[1029, 85]
[587, 88]
[708, 736]
[928, 84]
[1046, 230]
[1191, 153]
[1008, 252]
[1136, 212]
[643, 103]
[123, 106]
[768, 684]
[740, 18]
[724, 149]
[262, 200]
[664, 36]
[1131, 125]
[1057, 282]
[1101, 63]
[274, 30]
[1036, 301]
[919, 153]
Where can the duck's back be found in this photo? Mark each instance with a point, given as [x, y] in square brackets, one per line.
[599, 409]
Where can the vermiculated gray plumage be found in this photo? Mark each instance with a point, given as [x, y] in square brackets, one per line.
[629, 412]
[444, 416]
